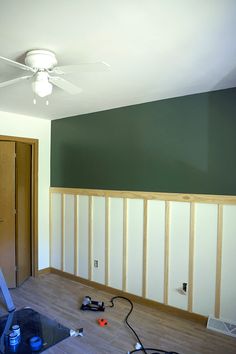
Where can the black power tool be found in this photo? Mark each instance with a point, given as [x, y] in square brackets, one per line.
[89, 305]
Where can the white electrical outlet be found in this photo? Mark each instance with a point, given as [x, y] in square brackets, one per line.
[181, 291]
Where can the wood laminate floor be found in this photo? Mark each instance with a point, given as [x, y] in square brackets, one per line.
[60, 299]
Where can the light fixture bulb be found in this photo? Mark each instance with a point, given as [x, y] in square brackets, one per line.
[41, 86]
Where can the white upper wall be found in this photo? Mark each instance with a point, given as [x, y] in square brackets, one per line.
[35, 128]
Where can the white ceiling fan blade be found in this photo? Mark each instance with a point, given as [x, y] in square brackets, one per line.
[81, 68]
[14, 81]
[65, 85]
[17, 65]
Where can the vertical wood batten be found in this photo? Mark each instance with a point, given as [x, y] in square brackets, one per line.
[90, 243]
[50, 229]
[116, 242]
[63, 231]
[191, 257]
[145, 211]
[166, 258]
[107, 240]
[83, 236]
[125, 239]
[75, 235]
[218, 260]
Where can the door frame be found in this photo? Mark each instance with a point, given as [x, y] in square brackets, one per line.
[34, 197]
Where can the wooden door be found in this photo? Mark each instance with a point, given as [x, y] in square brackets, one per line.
[23, 212]
[7, 212]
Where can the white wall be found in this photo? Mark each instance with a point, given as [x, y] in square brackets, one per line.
[35, 128]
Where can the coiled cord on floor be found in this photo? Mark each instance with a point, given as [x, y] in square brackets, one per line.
[142, 349]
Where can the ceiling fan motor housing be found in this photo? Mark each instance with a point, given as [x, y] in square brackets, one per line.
[41, 59]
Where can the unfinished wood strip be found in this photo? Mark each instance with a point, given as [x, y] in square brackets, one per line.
[145, 213]
[178, 197]
[191, 257]
[166, 258]
[218, 260]
[76, 235]
[90, 239]
[50, 229]
[107, 241]
[63, 231]
[125, 243]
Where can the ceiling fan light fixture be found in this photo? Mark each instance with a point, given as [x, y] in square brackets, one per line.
[42, 89]
[41, 86]
[41, 66]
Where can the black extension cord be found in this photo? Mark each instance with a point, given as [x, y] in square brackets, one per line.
[157, 351]
[142, 349]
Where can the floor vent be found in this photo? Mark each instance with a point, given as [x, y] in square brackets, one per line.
[225, 327]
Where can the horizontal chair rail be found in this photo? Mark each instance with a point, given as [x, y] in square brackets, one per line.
[176, 197]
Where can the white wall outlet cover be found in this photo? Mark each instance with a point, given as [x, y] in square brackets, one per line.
[181, 291]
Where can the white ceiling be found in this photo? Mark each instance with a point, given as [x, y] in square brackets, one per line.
[156, 48]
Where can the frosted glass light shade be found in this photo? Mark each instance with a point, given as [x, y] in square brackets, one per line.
[41, 86]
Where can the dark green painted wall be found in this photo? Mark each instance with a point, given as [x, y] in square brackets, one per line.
[185, 144]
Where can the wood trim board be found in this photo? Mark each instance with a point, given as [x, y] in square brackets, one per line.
[107, 241]
[218, 261]
[125, 243]
[76, 236]
[179, 197]
[90, 238]
[191, 257]
[145, 246]
[166, 256]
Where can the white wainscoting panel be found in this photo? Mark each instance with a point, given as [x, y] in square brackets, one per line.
[116, 242]
[83, 235]
[69, 233]
[155, 249]
[98, 236]
[205, 250]
[135, 246]
[228, 275]
[56, 231]
[178, 253]
[143, 243]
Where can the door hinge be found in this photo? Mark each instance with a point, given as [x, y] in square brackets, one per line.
[15, 211]
[15, 155]
[16, 268]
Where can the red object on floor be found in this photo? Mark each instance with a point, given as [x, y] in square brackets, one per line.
[102, 322]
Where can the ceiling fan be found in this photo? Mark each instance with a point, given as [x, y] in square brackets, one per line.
[41, 66]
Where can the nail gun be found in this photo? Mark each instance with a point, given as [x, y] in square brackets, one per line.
[90, 305]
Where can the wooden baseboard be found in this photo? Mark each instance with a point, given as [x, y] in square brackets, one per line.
[138, 299]
[44, 271]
